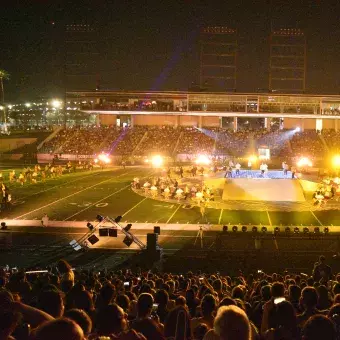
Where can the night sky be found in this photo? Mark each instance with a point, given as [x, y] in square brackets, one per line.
[153, 45]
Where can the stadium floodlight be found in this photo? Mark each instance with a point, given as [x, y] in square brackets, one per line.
[254, 229]
[157, 161]
[90, 225]
[234, 229]
[202, 160]
[336, 161]
[244, 229]
[100, 218]
[304, 162]
[118, 219]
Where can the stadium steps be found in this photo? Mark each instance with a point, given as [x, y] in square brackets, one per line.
[140, 143]
[323, 141]
[101, 145]
[177, 143]
[48, 138]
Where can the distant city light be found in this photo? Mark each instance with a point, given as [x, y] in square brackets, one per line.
[1, 107]
[157, 161]
[28, 104]
[10, 107]
[56, 103]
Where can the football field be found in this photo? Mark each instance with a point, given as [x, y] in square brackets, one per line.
[81, 196]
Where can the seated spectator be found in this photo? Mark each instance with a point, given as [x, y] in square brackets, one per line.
[285, 323]
[319, 327]
[51, 302]
[309, 301]
[110, 320]
[177, 324]
[81, 318]
[231, 323]
[208, 308]
[58, 329]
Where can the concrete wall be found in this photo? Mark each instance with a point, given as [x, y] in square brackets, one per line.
[107, 119]
[154, 120]
[211, 121]
[188, 120]
[7, 144]
[304, 124]
[328, 123]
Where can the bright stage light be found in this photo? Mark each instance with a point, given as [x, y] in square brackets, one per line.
[303, 162]
[298, 129]
[336, 161]
[104, 158]
[157, 161]
[252, 159]
[203, 160]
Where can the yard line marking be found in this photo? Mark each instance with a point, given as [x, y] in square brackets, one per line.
[58, 186]
[135, 206]
[316, 218]
[269, 219]
[90, 206]
[61, 199]
[219, 219]
[173, 214]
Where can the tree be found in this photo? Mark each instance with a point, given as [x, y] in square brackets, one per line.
[3, 75]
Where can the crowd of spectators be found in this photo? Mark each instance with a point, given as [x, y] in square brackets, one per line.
[307, 144]
[194, 141]
[62, 303]
[161, 140]
[189, 140]
[332, 139]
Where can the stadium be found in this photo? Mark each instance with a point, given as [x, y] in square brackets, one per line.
[163, 178]
[184, 162]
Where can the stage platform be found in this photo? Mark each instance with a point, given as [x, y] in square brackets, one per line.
[273, 174]
[263, 189]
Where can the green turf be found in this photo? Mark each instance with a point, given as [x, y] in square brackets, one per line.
[328, 217]
[293, 218]
[81, 196]
[244, 217]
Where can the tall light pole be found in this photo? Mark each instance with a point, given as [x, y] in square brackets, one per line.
[3, 75]
[57, 104]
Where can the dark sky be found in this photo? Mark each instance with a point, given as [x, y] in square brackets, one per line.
[154, 44]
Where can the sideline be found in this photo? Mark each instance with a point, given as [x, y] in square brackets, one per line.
[102, 199]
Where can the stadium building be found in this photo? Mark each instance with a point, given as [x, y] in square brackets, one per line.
[208, 109]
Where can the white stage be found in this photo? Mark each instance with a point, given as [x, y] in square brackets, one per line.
[263, 189]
